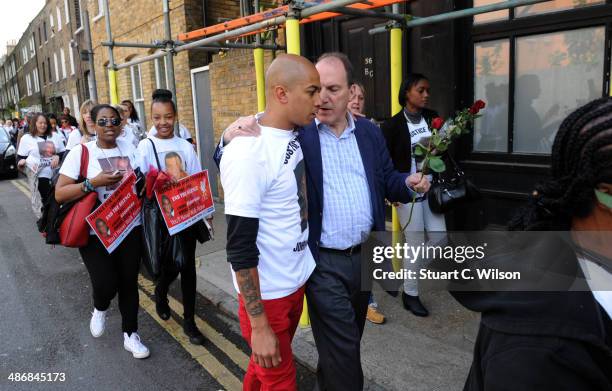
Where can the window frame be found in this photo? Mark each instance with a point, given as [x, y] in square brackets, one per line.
[138, 101]
[157, 63]
[513, 29]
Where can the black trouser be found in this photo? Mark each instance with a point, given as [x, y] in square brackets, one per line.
[188, 275]
[337, 306]
[44, 188]
[116, 272]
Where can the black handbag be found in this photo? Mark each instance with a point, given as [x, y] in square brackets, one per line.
[450, 190]
[152, 232]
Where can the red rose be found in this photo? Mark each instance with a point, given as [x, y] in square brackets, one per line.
[437, 123]
[477, 106]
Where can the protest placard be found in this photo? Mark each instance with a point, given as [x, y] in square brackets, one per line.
[186, 201]
[118, 215]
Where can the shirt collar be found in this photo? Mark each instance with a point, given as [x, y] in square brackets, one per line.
[350, 127]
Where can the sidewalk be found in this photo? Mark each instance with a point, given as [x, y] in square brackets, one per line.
[406, 353]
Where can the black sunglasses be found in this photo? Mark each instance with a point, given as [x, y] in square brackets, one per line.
[105, 121]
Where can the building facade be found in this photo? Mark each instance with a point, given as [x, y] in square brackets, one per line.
[9, 86]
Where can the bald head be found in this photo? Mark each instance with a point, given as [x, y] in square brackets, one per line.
[292, 92]
[287, 70]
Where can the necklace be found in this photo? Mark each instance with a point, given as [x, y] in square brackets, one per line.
[104, 153]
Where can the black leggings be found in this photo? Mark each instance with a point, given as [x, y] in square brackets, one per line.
[44, 188]
[114, 273]
[188, 275]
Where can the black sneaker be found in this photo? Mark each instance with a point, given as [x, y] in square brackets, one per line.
[161, 306]
[191, 330]
[414, 305]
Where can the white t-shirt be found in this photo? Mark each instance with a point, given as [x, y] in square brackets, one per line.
[183, 132]
[39, 152]
[59, 140]
[128, 135]
[75, 138]
[186, 163]
[121, 158]
[264, 177]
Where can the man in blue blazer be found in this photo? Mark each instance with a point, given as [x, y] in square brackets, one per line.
[349, 175]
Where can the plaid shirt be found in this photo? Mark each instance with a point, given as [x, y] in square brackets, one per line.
[347, 208]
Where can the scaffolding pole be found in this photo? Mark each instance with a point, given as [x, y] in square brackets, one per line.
[169, 44]
[112, 69]
[416, 22]
[396, 79]
[292, 32]
[90, 58]
[258, 57]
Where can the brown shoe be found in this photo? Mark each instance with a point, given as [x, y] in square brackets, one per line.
[374, 316]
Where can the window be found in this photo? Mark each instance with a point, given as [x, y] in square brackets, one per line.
[63, 62]
[490, 16]
[553, 6]
[491, 83]
[161, 78]
[39, 38]
[59, 18]
[44, 68]
[56, 67]
[533, 74]
[36, 81]
[49, 70]
[28, 85]
[66, 11]
[137, 93]
[71, 55]
[45, 30]
[75, 104]
[32, 51]
[24, 54]
[51, 24]
[78, 14]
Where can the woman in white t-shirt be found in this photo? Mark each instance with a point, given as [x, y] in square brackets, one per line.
[178, 159]
[65, 126]
[38, 154]
[402, 133]
[58, 135]
[127, 131]
[133, 119]
[117, 272]
[86, 132]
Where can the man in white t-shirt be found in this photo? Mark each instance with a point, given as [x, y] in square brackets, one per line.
[266, 210]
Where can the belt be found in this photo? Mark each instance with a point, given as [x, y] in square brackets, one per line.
[347, 252]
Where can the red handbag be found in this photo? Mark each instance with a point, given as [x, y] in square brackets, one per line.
[74, 230]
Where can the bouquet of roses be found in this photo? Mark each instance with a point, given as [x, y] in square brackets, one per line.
[442, 135]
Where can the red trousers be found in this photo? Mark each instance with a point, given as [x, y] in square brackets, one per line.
[283, 315]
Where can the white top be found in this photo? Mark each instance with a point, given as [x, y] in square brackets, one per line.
[419, 133]
[264, 177]
[39, 152]
[59, 140]
[186, 163]
[128, 135]
[183, 132]
[120, 158]
[600, 282]
[75, 138]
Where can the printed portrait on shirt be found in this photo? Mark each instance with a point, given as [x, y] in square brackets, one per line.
[175, 165]
[300, 178]
[116, 163]
[46, 149]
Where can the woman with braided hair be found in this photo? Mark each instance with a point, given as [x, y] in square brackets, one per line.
[557, 340]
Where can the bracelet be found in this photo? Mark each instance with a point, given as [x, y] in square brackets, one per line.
[86, 186]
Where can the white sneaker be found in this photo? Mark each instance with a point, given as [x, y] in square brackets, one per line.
[132, 344]
[96, 325]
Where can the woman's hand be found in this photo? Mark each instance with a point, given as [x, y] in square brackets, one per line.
[106, 179]
[55, 161]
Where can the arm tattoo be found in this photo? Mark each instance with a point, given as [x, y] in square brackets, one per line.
[250, 293]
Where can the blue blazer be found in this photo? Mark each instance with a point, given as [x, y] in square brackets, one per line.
[383, 180]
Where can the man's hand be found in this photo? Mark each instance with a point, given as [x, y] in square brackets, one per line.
[265, 347]
[243, 126]
[418, 182]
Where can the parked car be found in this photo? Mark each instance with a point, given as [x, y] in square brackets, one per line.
[8, 155]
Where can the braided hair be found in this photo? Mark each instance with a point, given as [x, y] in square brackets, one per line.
[581, 158]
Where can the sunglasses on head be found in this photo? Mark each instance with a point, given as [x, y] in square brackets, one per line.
[106, 121]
